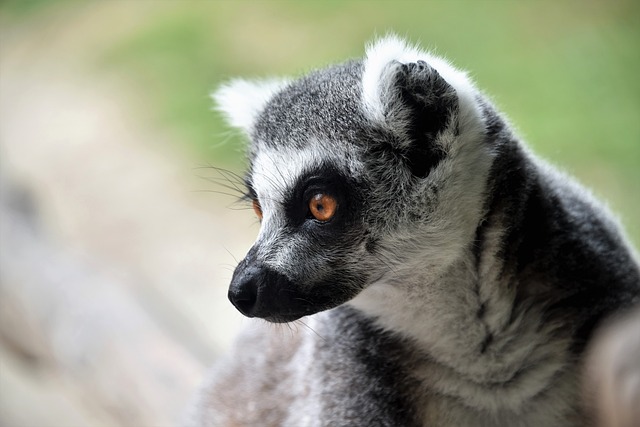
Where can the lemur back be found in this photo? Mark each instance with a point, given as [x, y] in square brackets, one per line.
[443, 274]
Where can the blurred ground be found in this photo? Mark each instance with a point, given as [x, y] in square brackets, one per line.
[114, 255]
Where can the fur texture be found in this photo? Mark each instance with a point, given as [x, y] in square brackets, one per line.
[458, 282]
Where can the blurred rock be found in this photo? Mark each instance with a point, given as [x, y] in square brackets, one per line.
[77, 333]
[113, 268]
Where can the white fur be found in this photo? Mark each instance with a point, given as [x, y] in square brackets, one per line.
[241, 101]
[378, 72]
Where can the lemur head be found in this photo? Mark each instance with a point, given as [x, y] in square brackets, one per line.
[359, 173]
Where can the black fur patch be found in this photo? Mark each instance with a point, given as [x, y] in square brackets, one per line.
[431, 101]
[326, 179]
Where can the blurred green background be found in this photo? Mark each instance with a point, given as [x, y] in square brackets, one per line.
[115, 264]
[565, 72]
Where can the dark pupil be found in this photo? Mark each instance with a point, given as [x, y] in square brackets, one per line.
[319, 207]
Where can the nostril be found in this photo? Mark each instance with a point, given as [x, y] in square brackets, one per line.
[245, 304]
[243, 294]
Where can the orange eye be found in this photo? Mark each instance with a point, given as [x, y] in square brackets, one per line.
[257, 209]
[323, 207]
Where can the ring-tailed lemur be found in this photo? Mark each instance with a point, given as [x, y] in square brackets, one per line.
[451, 278]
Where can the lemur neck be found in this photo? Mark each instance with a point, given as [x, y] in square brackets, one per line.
[463, 316]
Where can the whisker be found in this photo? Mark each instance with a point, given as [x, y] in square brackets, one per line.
[232, 256]
[235, 196]
[311, 329]
[220, 183]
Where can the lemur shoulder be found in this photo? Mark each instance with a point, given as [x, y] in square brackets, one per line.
[445, 275]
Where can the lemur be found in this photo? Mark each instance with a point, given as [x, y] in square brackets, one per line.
[444, 275]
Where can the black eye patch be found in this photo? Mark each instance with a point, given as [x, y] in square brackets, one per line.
[325, 180]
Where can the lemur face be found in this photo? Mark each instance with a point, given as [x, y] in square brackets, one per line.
[350, 166]
[305, 258]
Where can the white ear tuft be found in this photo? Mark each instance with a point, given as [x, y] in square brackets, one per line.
[241, 100]
[378, 74]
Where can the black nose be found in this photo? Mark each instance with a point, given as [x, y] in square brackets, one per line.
[258, 290]
[243, 291]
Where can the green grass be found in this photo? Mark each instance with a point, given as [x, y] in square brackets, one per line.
[564, 72]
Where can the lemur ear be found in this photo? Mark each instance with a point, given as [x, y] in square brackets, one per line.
[241, 101]
[405, 95]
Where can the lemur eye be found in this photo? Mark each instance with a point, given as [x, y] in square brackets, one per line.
[323, 207]
[257, 209]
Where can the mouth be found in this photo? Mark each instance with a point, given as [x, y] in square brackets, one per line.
[283, 306]
[283, 318]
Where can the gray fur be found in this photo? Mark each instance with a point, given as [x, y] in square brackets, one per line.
[458, 283]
